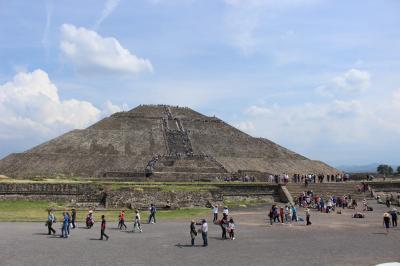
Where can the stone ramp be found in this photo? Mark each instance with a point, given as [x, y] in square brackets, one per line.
[327, 189]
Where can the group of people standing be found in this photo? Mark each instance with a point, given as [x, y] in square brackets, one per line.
[226, 223]
[287, 214]
[308, 178]
[390, 215]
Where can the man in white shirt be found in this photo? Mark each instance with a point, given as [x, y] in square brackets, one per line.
[204, 231]
[215, 213]
[225, 211]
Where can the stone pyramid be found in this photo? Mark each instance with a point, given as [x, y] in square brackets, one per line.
[158, 142]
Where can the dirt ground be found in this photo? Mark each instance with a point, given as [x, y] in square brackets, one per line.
[332, 239]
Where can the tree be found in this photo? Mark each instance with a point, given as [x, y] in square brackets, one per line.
[385, 169]
[398, 170]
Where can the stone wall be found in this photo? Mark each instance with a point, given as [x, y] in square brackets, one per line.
[136, 196]
[141, 198]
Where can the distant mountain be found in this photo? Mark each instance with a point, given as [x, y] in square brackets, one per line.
[368, 168]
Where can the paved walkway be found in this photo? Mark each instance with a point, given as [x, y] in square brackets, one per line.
[333, 239]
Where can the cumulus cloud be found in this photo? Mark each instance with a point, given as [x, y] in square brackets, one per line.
[353, 80]
[351, 129]
[30, 104]
[108, 8]
[110, 108]
[92, 53]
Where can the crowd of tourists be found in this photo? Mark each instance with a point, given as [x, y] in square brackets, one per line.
[308, 199]
[308, 178]
[245, 178]
[68, 222]
[283, 214]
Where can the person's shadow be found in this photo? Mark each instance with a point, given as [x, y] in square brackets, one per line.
[179, 245]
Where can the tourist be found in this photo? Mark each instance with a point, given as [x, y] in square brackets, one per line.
[286, 214]
[271, 216]
[388, 202]
[215, 213]
[73, 218]
[89, 220]
[50, 220]
[354, 204]
[393, 213]
[365, 205]
[103, 228]
[204, 231]
[225, 211]
[69, 223]
[358, 215]
[64, 232]
[122, 220]
[281, 213]
[308, 215]
[386, 221]
[193, 232]
[294, 213]
[152, 216]
[136, 224]
[224, 225]
[231, 229]
[275, 213]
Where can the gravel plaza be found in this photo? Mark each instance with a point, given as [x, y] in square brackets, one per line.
[332, 239]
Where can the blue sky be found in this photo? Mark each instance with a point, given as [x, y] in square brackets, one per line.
[317, 76]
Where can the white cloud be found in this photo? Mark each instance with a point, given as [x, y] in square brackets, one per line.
[396, 98]
[257, 110]
[49, 13]
[31, 108]
[245, 18]
[346, 107]
[94, 54]
[110, 108]
[29, 104]
[246, 126]
[350, 129]
[353, 80]
[108, 8]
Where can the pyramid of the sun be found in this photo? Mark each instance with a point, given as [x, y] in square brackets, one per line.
[162, 141]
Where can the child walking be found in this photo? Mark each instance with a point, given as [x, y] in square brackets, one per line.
[231, 229]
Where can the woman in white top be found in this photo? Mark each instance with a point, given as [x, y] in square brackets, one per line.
[136, 225]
